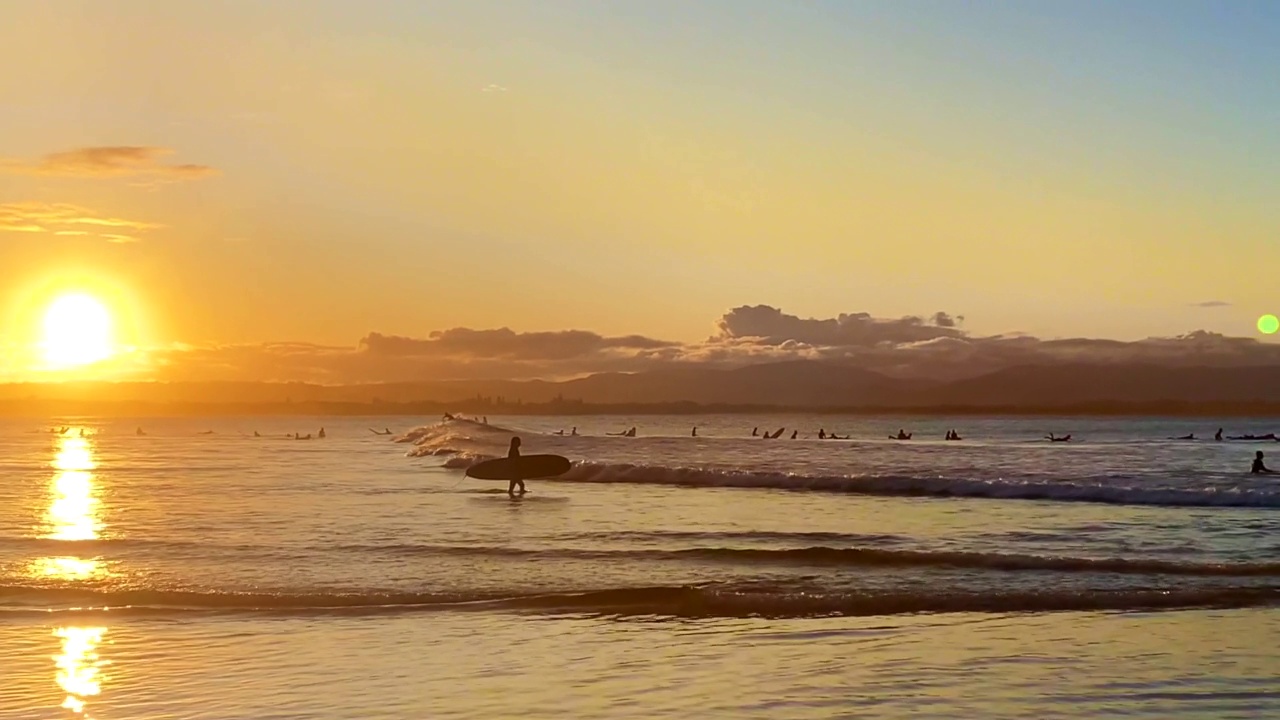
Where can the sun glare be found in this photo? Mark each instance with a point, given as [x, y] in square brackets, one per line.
[77, 331]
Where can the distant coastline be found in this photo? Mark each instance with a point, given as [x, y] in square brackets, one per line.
[766, 389]
[433, 409]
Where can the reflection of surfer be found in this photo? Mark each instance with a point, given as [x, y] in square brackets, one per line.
[514, 452]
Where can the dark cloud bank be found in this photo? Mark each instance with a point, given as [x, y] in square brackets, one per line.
[933, 348]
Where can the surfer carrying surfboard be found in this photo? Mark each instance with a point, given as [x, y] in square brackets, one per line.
[514, 452]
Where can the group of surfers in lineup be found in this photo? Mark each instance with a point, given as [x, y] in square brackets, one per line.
[514, 452]
[292, 436]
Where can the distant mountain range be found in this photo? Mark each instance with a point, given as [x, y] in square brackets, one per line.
[810, 385]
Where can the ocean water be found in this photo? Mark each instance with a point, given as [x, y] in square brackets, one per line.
[202, 571]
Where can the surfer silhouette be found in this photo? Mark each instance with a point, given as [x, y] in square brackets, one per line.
[514, 452]
[1258, 467]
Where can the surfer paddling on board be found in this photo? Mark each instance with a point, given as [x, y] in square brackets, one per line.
[514, 452]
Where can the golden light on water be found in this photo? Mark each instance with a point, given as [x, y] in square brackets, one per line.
[79, 666]
[73, 509]
[67, 568]
[77, 330]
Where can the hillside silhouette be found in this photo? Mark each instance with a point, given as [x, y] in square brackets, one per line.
[797, 385]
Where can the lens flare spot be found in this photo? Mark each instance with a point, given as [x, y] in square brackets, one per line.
[1268, 324]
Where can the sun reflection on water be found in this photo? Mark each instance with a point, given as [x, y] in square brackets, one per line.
[73, 513]
[79, 666]
[68, 568]
[74, 510]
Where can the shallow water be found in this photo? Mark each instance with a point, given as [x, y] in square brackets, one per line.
[230, 576]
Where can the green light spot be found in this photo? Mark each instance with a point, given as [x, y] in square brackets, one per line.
[1268, 324]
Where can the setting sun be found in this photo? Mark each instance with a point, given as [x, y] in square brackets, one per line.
[77, 331]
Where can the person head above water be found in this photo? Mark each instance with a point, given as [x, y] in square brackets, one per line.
[515, 442]
[1259, 455]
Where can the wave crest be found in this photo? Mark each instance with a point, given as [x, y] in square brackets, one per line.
[668, 601]
[922, 486]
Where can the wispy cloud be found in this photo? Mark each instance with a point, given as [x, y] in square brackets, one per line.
[62, 219]
[493, 88]
[109, 162]
[1212, 304]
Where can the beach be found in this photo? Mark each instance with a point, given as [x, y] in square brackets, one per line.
[199, 571]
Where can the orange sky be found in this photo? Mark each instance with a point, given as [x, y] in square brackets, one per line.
[259, 173]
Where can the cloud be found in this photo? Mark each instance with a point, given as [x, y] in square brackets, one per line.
[505, 343]
[109, 162]
[62, 219]
[1212, 304]
[772, 326]
[902, 347]
[493, 88]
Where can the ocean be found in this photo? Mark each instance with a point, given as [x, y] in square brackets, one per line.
[219, 568]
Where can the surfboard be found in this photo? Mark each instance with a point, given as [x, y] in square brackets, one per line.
[525, 467]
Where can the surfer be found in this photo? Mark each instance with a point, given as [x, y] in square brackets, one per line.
[1259, 468]
[695, 431]
[514, 452]
[1218, 435]
[322, 432]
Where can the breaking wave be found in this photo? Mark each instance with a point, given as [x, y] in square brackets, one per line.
[854, 557]
[924, 486]
[463, 443]
[670, 601]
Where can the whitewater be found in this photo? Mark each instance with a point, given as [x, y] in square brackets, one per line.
[222, 568]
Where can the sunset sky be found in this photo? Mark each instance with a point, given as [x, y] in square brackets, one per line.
[334, 174]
